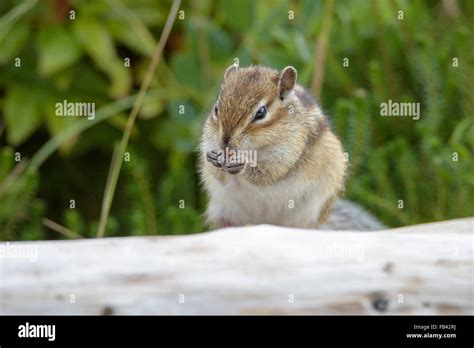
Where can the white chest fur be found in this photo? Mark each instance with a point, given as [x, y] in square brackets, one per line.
[290, 202]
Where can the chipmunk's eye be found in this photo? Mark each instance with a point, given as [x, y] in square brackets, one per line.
[216, 111]
[261, 113]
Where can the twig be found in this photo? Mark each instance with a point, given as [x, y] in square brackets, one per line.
[203, 43]
[107, 199]
[116, 165]
[61, 229]
[14, 174]
[321, 49]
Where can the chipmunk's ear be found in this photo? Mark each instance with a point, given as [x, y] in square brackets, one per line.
[230, 70]
[286, 81]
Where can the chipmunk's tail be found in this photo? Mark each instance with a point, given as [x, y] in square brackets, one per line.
[350, 216]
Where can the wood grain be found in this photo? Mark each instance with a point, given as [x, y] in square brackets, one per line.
[422, 269]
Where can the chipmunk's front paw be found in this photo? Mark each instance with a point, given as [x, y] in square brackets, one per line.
[216, 158]
[235, 167]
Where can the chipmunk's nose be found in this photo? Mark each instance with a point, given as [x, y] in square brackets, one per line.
[225, 141]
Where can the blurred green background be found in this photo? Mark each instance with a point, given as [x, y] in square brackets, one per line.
[82, 59]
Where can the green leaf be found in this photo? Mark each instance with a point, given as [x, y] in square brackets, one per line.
[58, 49]
[120, 77]
[14, 42]
[56, 124]
[238, 14]
[220, 43]
[143, 44]
[186, 67]
[151, 108]
[99, 45]
[6, 162]
[22, 113]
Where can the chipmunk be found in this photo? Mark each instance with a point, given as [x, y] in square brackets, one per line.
[300, 166]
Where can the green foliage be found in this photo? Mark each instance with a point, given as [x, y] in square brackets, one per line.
[82, 59]
[22, 113]
[21, 210]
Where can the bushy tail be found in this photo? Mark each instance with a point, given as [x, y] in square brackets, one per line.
[350, 216]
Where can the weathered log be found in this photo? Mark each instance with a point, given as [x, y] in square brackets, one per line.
[422, 269]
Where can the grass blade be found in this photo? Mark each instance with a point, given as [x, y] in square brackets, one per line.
[116, 163]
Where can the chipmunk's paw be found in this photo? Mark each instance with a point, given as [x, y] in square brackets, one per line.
[235, 167]
[219, 160]
[216, 158]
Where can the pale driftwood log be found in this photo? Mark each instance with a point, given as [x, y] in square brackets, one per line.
[423, 269]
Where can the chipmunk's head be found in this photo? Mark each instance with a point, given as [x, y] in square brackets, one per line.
[256, 110]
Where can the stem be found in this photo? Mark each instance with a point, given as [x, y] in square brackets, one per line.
[9, 19]
[61, 229]
[321, 49]
[116, 165]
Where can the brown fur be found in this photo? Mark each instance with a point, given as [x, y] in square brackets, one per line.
[311, 149]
